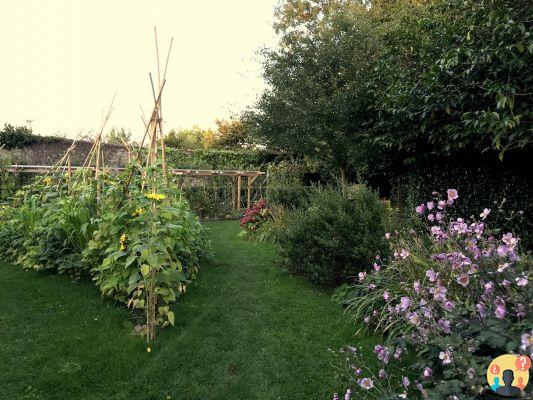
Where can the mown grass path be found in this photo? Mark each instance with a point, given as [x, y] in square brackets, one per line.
[244, 330]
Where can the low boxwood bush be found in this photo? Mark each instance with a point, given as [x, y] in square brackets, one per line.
[336, 236]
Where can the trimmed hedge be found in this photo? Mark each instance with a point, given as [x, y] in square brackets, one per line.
[222, 159]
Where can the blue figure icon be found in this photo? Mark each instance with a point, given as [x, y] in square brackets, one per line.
[496, 384]
[508, 390]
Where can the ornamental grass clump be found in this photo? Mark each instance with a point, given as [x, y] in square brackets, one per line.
[455, 293]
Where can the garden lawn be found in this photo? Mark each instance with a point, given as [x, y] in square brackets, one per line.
[245, 330]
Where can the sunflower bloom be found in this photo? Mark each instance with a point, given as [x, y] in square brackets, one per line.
[156, 196]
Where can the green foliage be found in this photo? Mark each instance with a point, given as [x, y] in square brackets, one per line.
[288, 196]
[126, 244]
[19, 136]
[210, 198]
[318, 98]
[232, 134]
[285, 185]
[44, 230]
[16, 136]
[222, 159]
[194, 138]
[7, 181]
[368, 90]
[335, 236]
[506, 189]
[454, 75]
[135, 241]
[118, 136]
[272, 229]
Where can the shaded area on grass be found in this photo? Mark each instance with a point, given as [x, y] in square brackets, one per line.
[244, 330]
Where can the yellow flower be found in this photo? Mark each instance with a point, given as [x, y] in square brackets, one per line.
[122, 241]
[138, 211]
[47, 180]
[156, 196]
[148, 349]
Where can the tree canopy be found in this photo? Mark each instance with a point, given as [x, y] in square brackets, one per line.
[230, 134]
[118, 136]
[365, 86]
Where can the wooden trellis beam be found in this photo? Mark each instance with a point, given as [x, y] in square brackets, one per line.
[239, 191]
[43, 169]
[251, 180]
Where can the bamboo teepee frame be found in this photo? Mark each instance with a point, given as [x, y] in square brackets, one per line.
[155, 133]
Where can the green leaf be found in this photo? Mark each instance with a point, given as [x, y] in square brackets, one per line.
[170, 317]
[130, 260]
[145, 270]
[153, 260]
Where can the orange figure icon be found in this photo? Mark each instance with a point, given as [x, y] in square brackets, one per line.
[520, 385]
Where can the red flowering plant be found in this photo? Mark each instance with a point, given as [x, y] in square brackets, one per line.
[456, 293]
[254, 217]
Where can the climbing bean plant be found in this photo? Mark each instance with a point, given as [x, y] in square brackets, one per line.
[140, 248]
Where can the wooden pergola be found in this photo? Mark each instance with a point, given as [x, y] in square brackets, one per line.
[236, 175]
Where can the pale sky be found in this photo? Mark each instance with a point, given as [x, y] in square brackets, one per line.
[62, 60]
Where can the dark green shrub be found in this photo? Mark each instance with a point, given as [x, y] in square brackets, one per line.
[285, 185]
[288, 196]
[7, 181]
[336, 236]
[506, 187]
[17, 136]
[20, 136]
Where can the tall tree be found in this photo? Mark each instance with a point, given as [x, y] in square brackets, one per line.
[457, 75]
[370, 85]
[231, 134]
[193, 138]
[318, 100]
